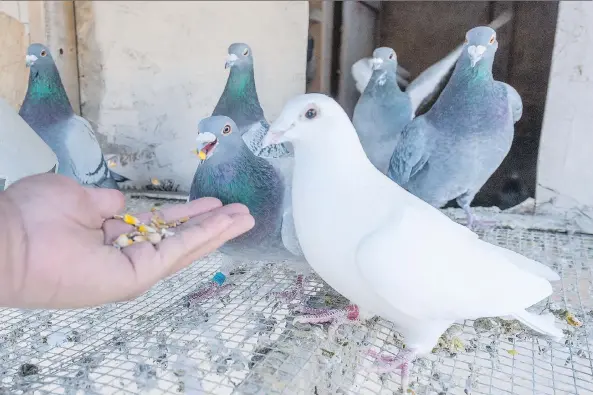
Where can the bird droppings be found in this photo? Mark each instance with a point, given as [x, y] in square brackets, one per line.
[28, 369]
[572, 320]
[245, 343]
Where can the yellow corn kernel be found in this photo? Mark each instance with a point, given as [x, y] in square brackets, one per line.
[130, 219]
[202, 155]
[146, 229]
[155, 181]
[572, 320]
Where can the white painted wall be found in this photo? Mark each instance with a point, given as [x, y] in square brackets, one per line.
[565, 170]
[14, 39]
[150, 70]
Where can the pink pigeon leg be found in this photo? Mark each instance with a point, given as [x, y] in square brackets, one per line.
[296, 292]
[402, 362]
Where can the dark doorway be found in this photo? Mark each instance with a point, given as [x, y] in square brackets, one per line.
[423, 32]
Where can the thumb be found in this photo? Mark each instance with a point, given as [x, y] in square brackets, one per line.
[107, 202]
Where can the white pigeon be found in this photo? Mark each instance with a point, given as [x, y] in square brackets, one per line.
[389, 252]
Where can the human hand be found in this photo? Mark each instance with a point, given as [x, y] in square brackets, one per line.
[65, 258]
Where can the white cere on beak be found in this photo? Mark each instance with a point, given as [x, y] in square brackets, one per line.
[376, 63]
[230, 60]
[475, 53]
[205, 138]
[30, 60]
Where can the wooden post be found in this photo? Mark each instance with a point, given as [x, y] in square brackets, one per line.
[53, 23]
[327, 31]
[564, 172]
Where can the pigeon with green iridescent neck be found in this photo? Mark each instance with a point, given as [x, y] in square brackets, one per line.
[231, 172]
[384, 108]
[47, 110]
[451, 151]
[239, 101]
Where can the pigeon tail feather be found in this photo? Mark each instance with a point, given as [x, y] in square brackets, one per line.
[544, 324]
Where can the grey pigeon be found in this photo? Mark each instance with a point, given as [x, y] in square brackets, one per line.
[451, 151]
[47, 110]
[383, 109]
[437, 74]
[232, 173]
[239, 102]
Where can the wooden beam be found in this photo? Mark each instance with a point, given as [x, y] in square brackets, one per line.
[327, 32]
[52, 23]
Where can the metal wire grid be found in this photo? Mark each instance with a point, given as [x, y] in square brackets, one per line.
[244, 342]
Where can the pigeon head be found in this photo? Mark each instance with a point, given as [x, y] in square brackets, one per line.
[38, 57]
[310, 118]
[218, 133]
[239, 55]
[383, 58]
[480, 45]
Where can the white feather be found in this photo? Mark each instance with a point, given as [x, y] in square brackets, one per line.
[363, 69]
[386, 250]
[425, 83]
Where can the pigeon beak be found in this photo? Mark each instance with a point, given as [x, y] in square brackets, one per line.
[230, 60]
[207, 142]
[30, 60]
[272, 137]
[475, 53]
[376, 63]
[277, 134]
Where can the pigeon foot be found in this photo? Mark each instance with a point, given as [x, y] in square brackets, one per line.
[388, 363]
[337, 317]
[296, 292]
[207, 292]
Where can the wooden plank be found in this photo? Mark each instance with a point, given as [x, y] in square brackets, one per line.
[358, 41]
[326, 45]
[52, 24]
[505, 36]
[13, 78]
[564, 169]
[375, 5]
[422, 33]
[528, 72]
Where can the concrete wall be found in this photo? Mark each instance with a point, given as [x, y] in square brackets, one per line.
[565, 172]
[14, 39]
[149, 71]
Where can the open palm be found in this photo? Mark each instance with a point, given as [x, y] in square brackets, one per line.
[65, 258]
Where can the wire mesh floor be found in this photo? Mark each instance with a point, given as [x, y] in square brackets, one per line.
[244, 342]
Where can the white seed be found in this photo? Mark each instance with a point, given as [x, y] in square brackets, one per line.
[154, 238]
[138, 239]
[123, 241]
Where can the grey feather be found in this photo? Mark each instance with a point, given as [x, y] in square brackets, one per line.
[47, 110]
[383, 109]
[233, 174]
[451, 151]
[239, 100]
[514, 101]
